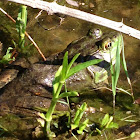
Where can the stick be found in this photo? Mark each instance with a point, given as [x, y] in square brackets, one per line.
[53, 7]
[29, 37]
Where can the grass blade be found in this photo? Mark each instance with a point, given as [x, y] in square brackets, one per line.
[126, 72]
[81, 66]
[115, 72]
[64, 66]
[68, 94]
[72, 61]
[56, 80]
[117, 64]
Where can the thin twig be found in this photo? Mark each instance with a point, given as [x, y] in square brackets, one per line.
[53, 7]
[118, 90]
[29, 37]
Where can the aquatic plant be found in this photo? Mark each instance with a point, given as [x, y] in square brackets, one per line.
[21, 26]
[21, 23]
[64, 72]
[76, 121]
[7, 57]
[106, 123]
[115, 72]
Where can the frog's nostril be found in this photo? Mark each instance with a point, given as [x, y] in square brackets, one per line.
[115, 36]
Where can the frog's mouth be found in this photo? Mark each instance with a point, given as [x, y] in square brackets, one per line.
[108, 53]
[106, 56]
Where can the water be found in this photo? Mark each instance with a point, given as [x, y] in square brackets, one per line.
[56, 40]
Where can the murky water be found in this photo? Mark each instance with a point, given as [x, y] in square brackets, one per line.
[56, 40]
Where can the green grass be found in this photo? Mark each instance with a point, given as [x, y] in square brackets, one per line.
[7, 57]
[115, 72]
[21, 23]
[65, 71]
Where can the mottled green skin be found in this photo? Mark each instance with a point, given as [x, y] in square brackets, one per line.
[85, 46]
[94, 45]
[33, 88]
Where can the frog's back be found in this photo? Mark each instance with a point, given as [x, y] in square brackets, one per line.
[85, 46]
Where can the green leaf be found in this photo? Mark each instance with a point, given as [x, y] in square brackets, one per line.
[62, 102]
[22, 20]
[72, 61]
[99, 131]
[68, 94]
[79, 113]
[56, 80]
[81, 66]
[124, 62]
[7, 57]
[73, 126]
[126, 71]
[82, 126]
[132, 135]
[76, 115]
[1, 127]
[64, 65]
[123, 90]
[21, 26]
[113, 125]
[116, 72]
[130, 121]
[41, 115]
[117, 64]
[109, 121]
[105, 120]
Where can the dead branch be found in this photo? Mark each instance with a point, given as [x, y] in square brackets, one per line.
[53, 7]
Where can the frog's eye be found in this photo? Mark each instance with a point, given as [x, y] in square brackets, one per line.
[98, 33]
[108, 45]
[95, 33]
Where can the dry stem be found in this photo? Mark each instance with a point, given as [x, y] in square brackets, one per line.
[53, 7]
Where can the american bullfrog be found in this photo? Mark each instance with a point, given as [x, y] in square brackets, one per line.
[33, 88]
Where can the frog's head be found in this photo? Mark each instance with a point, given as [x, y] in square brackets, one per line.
[107, 51]
[108, 47]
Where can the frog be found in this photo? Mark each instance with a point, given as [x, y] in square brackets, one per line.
[33, 88]
[95, 45]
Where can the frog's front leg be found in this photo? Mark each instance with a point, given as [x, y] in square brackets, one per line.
[97, 73]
